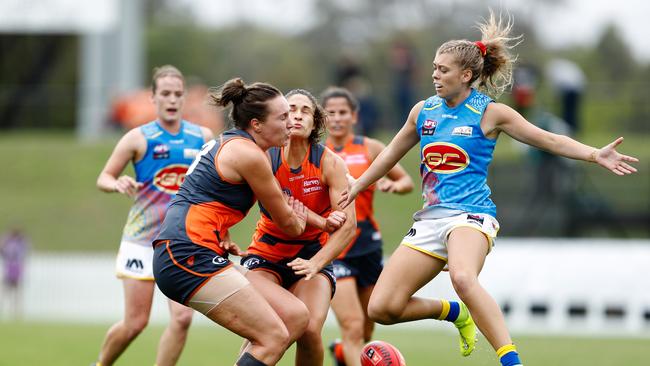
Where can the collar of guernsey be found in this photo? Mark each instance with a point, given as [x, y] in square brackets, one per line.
[455, 155]
[167, 151]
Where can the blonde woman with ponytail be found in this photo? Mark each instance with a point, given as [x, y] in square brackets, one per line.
[457, 130]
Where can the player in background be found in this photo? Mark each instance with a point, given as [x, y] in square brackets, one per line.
[230, 173]
[160, 151]
[357, 268]
[295, 273]
[457, 131]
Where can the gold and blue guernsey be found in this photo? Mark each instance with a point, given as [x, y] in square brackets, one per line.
[455, 156]
[160, 172]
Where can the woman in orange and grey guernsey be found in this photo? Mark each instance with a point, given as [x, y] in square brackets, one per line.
[296, 273]
[357, 268]
[161, 152]
[191, 263]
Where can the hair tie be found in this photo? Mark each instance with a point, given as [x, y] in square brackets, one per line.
[481, 47]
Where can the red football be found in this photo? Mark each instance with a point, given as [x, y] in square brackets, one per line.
[380, 353]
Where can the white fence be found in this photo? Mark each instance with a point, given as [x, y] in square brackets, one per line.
[567, 286]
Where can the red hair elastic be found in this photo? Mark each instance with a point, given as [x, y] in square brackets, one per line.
[481, 46]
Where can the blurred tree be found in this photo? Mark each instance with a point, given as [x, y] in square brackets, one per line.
[37, 81]
[614, 56]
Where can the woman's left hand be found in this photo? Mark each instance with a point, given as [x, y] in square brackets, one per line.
[231, 247]
[611, 159]
[304, 267]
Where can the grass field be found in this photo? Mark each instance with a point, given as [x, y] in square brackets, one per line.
[66, 344]
[48, 187]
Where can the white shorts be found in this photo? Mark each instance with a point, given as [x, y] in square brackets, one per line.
[430, 236]
[134, 261]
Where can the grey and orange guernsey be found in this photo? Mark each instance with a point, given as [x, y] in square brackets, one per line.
[187, 252]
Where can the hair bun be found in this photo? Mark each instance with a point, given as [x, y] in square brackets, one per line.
[233, 91]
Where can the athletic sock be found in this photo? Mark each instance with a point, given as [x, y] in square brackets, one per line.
[452, 311]
[508, 355]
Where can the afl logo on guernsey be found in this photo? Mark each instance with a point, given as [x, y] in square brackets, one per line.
[170, 178]
[444, 158]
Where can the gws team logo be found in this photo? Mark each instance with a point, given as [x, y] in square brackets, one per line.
[341, 271]
[251, 263]
[170, 178]
[444, 158]
[219, 260]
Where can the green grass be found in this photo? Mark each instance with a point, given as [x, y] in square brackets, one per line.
[48, 187]
[72, 344]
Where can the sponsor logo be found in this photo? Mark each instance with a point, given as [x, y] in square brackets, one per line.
[295, 177]
[190, 261]
[411, 232]
[134, 264]
[475, 218]
[218, 260]
[444, 158]
[170, 178]
[450, 116]
[176, 142]
[311, 185]
[352, 159]
[373, 356]
[462, 131]
[161, 151]
[429, 127]
[251, 263]
[190, 153]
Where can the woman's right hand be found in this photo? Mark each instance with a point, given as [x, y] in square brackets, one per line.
[348, 196]
[127, 185]
[334, 221]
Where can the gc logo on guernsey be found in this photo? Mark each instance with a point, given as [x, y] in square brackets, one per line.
[444, 157]
[170, 178]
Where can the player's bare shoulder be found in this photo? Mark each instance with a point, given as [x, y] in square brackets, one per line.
[333, 164]
[133, 143]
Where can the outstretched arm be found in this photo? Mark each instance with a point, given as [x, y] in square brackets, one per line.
[397, 180]
[405, 139]
[512, 123]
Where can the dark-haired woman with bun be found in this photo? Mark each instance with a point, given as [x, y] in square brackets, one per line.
[230, 173]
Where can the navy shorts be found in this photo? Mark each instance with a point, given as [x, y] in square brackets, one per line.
[283, 272]
[365, 269]
[181, 268]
